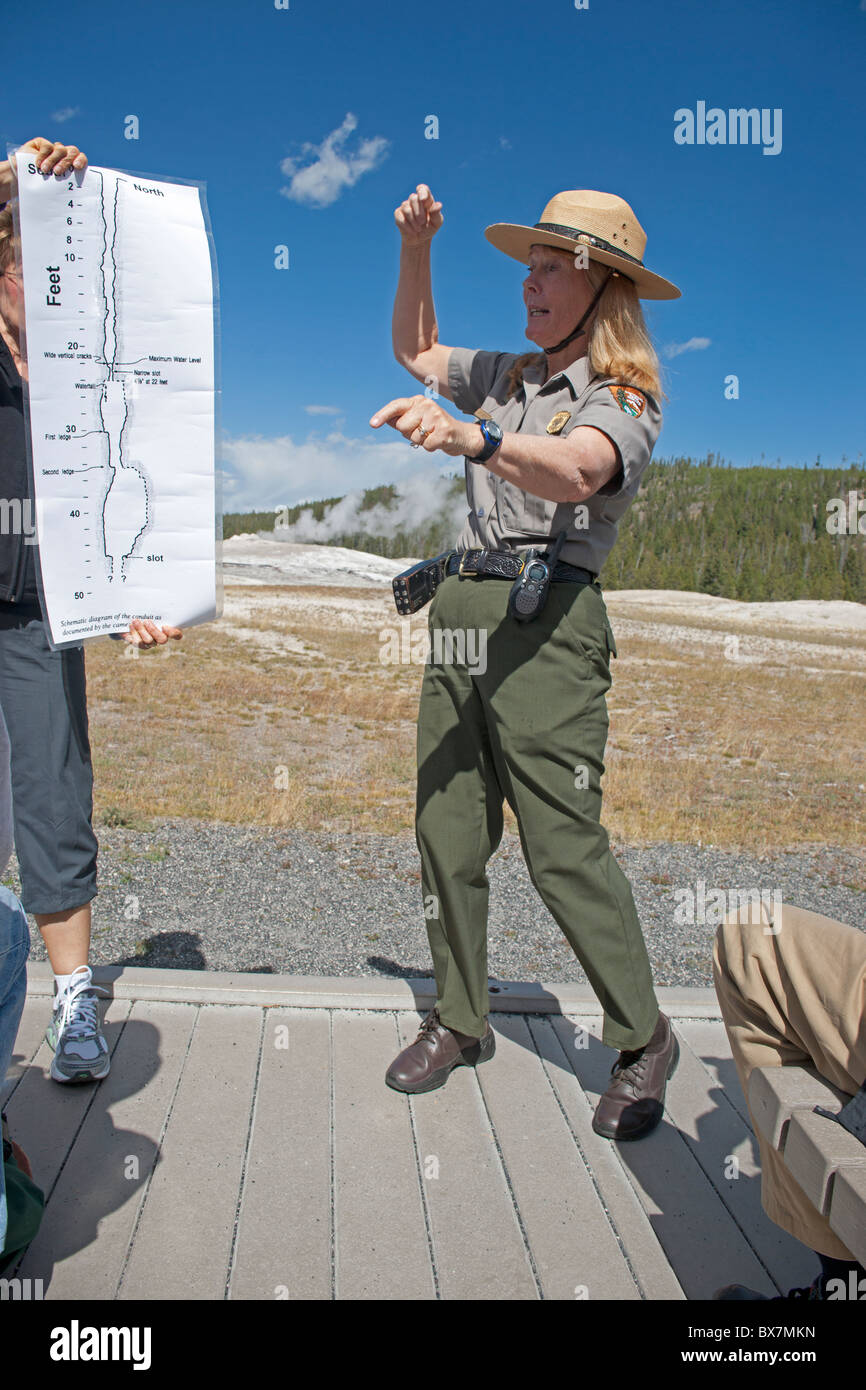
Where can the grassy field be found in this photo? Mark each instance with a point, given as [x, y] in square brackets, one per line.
[282, 714]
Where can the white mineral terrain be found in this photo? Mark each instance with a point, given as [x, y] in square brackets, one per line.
[823, 636]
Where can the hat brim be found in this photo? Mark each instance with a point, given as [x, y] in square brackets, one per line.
[516, 240]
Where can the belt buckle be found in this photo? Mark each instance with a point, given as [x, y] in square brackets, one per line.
[469, 574]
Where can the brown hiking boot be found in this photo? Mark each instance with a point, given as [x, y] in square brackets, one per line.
[634, 1102]
[435, 1052]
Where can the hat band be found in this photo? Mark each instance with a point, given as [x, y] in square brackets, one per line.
[598, 242]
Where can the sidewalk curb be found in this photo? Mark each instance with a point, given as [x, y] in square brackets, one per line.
[352, 992]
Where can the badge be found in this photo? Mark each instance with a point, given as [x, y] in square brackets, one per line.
[629, 400]
[559, 420]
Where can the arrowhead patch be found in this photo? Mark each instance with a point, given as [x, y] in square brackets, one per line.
[628, 399]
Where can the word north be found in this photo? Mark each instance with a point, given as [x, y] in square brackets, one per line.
[738, 126]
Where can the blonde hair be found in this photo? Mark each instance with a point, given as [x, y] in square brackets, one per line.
[8, 239]
[619, 342]
[619, 345]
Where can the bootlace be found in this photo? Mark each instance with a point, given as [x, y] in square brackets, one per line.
[630, 1067]
[80, 1014]
[429, 1026]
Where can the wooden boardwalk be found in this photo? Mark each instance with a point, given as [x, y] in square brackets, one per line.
[244, 1146]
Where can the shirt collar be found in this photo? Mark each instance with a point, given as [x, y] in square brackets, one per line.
[576, 375]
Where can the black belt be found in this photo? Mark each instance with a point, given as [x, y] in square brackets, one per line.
[504, 564]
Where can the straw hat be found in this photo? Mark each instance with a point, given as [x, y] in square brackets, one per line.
[602, 222]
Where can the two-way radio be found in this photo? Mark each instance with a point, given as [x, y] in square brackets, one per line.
[531, 587]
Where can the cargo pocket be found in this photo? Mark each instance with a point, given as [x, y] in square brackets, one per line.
[590, 641]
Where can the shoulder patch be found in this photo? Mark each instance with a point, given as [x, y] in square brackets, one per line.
[628, 399]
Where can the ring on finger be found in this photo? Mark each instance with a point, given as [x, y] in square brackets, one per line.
[423, 433]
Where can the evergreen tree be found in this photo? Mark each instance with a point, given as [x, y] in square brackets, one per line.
[854, 575]
[756, 533]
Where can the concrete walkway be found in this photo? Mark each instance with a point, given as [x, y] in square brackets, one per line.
[244, 1146]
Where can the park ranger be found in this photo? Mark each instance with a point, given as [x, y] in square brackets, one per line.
[554, 456]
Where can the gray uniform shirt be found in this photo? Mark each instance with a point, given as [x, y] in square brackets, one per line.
[502, 516]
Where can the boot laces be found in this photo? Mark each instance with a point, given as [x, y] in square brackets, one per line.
[429, 1027]
[80, 1008]
[630, 1067]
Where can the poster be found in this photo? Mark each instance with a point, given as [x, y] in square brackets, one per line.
[119, 302]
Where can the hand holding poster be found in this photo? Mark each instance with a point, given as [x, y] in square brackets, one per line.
[119, 290]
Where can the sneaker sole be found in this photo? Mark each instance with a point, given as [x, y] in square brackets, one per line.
[80, 1077]
[438, 1078]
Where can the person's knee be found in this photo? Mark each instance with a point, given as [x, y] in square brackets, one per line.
[747, 931]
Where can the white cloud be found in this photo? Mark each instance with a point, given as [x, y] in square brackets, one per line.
[323, 410]
[693, 345]
[64, 114]
[332, 168]
[504, 144]
[260, 473]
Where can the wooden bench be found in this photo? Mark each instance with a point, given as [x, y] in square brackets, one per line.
[826, 1161]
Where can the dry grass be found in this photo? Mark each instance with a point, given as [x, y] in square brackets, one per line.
[752, 756]
[283, 715]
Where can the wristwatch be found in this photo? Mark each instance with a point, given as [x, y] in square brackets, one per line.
[492, 434]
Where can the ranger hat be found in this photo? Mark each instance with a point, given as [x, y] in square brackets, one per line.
[602, 222]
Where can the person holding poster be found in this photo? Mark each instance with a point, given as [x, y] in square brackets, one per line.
[43, 696]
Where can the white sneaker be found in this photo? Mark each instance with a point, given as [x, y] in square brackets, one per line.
[75, 1033]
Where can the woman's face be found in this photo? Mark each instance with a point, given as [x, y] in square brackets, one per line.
[555, 293]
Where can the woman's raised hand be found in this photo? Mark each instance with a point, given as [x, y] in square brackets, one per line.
[54, 158]
[419, 217]
[50, 157]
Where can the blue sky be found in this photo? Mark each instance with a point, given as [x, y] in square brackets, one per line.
[767, 248]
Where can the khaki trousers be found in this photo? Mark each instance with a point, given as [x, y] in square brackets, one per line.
[794, 997]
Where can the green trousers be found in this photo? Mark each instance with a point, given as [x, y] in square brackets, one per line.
[517, 711]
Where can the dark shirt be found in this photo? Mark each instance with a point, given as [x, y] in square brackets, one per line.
[18, 587]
